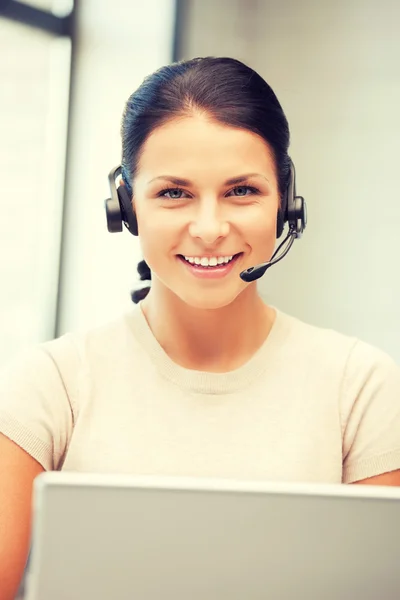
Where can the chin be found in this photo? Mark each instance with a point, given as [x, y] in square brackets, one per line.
[209, 300]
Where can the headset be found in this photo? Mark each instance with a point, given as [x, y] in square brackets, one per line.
[293, 210]
[119, 209]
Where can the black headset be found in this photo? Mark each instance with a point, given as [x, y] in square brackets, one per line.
[119, 209]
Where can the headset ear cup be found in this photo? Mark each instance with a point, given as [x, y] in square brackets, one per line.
[133, 222]
[280, 223]
[128, 214]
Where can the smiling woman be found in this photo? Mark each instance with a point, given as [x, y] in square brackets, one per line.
[202, 378]
[206, 140]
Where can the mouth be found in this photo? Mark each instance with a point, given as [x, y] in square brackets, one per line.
[210, 268]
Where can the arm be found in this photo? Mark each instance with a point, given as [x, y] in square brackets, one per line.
[36, 424]
[370, 411]
[392, 479]
[17, 472]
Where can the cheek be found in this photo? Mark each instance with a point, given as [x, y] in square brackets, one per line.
[260, 229]
[157, 234]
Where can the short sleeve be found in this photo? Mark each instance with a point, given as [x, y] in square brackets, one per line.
[35, 408]
[370, 411]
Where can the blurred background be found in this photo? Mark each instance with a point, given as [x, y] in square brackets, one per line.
[66, 69]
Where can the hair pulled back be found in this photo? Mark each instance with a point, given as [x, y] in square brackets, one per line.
[230, 92]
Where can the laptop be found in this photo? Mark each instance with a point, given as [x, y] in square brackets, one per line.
[106, 537]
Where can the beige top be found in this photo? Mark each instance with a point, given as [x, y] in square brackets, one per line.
[311, 405]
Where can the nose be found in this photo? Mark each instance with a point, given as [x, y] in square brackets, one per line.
[209, 225]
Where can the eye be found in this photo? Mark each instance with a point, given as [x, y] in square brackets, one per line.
[173, 193]
[244, 190]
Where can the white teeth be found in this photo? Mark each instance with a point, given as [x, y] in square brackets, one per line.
[204, 261]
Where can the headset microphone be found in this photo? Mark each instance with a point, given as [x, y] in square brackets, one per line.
[293, 211]
[258, 271]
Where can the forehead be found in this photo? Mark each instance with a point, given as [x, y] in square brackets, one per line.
[196, 146]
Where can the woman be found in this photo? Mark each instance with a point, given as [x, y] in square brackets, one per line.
[201, 378]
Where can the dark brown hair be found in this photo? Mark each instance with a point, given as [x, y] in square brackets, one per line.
[226, 89]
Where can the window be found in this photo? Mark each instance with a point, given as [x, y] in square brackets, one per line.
[34, 71]
[57, 7]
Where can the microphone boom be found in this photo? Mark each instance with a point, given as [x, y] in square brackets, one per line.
[253, 273]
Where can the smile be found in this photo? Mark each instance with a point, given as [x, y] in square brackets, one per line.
[209, 267]
[208, 261]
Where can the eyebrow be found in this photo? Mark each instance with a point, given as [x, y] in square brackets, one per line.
[232, 181]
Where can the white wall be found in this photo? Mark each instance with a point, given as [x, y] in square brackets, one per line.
[119, 43]
[335, 68]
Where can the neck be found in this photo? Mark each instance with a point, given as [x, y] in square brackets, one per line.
[216, 340]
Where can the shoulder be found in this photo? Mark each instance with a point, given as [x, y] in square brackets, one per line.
[43, 389]
[328, 349]
[72, 357]
[83, 350]
[323, 344]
